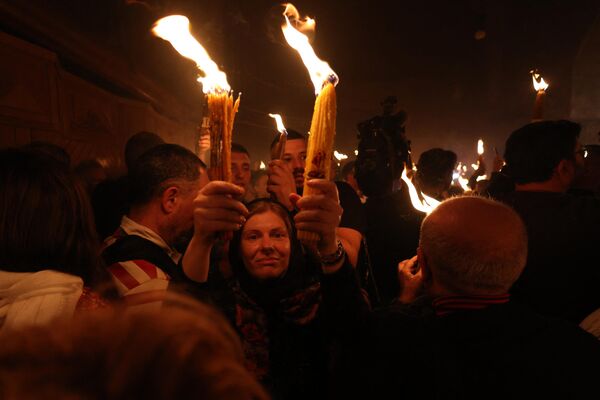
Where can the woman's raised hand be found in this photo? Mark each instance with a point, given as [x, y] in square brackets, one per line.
[217, 208]
[320, 213]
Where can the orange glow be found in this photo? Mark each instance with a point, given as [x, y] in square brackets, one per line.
[427, 205]
[319, 70]
[279, 122]
[176, 30]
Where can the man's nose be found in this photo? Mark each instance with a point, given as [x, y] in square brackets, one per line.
[297, 163]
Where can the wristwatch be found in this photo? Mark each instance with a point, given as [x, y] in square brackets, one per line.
[332, 259]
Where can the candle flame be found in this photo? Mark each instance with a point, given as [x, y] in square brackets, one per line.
[319, 70]
[538, 82]
[427, 205]
[480, 148]
[339, 156]
[262, 165]
[279, 122]
[355, 152]
[176, 30]
[458, 177]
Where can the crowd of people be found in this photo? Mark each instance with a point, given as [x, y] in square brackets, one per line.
[164, 284]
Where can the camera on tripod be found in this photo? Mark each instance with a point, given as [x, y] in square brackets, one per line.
[382, 150]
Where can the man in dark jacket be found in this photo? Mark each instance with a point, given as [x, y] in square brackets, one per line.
[144, 254]
[466, 338]
[562, 275]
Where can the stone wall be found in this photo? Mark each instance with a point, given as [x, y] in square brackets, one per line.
[40, 100]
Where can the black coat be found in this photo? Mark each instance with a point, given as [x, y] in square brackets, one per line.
[501, 352]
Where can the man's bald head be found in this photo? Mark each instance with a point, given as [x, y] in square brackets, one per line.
[474, 245]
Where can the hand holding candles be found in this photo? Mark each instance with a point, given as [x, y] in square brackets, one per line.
[322, 127]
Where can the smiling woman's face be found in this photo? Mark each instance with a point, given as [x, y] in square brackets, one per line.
[265, 246]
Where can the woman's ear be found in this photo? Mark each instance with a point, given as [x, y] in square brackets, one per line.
[169, 199]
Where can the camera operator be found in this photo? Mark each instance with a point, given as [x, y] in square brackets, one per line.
[392, 231]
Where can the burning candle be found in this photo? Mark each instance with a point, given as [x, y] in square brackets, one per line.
[278, 150]
[540, 87]
[480, 148]
[221, 108]
[423, 203]
[322, 127]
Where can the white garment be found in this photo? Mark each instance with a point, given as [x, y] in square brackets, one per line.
[133, 228]
[37, 298]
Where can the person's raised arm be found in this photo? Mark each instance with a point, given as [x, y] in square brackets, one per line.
[216, 209]
[281, 183]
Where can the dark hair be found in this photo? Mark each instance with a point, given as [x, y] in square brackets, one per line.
[348, 169]
[46, 221]
[50, 150]
[291, 135]
[533, 151]
[238, 148]
[138, 144]
[435, 165]
[156, 169]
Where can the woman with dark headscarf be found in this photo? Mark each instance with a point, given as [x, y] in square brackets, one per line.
[284, 300]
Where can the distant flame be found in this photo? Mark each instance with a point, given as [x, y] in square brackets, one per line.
[458, 177]
[339, 156]
[482, 178]
[319, 70]
[427, 205]
[480, 148]
[279, 122]
[538, 82]
[262, 165]
[176, 30]
[355, 152]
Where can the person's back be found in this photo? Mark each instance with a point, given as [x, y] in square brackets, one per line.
[49, 258]
[562, 275]
[466, 338]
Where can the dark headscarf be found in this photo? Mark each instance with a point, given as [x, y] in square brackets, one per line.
[301, 271]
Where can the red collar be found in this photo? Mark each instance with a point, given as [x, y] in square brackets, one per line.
[448, 304]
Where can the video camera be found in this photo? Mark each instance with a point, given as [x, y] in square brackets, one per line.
[382, 150]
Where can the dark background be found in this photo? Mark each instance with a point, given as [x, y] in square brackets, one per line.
[454, 87]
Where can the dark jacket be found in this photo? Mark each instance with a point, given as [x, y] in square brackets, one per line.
[562, 275]
[501, 352]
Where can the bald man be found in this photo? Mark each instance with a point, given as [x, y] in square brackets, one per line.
[464, 338]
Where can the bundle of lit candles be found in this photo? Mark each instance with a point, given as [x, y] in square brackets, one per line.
[221, 108]
[322, 127]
